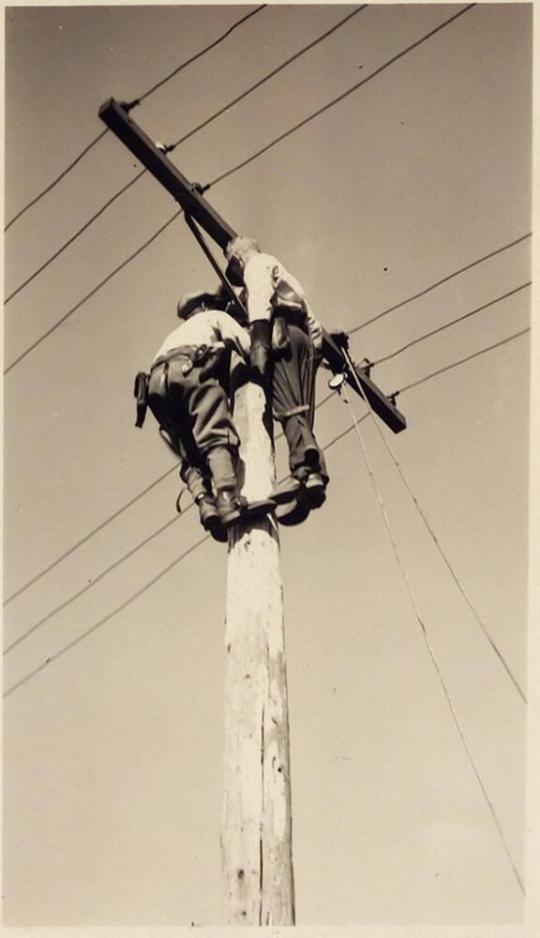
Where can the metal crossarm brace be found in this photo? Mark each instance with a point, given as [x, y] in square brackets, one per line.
[116, 116]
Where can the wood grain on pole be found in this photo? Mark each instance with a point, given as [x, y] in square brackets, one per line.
[256, 833]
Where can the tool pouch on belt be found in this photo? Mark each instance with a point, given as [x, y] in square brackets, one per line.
[208, 359]
[140, 391]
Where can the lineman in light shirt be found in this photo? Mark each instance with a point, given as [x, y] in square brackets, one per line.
[284, 330]
[187, 395]
[211, 327]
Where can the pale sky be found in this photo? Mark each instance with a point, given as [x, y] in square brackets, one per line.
[113, 771]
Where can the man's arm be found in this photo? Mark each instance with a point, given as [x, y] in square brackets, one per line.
[259, 284]
[260, 287]
[314, 329]
[231, 333]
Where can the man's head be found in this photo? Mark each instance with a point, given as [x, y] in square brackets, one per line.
[238, 252]
[234, 307]
[197, 301]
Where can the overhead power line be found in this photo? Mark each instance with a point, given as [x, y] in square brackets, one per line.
[272, 74]
[342, 96]
[198, 55]
[58, 179]
[86, 538]
[91, 293]
[177, 143]
[136, 595]
[142, 97]
[108, 617]
[461, 361]
[447, 325]
[91, 583]
[438, 283]
[440, 371]
[90, 221]
[238, 166]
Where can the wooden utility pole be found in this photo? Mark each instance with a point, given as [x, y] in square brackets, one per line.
[256, 833]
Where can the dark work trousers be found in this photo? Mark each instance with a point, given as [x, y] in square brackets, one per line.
[294, 400]
[196, 415]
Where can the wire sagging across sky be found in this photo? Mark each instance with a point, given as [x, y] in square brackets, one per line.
[447, 325]
[96, 579]
[461, 361]
[92, 292]
[108, 617]
[342, 96]
[181, 140]
[439, 283]
[141, 97]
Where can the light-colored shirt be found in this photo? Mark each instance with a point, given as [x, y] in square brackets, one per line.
[266, 281]
[213, 328]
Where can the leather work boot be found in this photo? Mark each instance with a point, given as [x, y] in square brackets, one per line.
[313, 485]
[315, 489]
[210, 518]
[286, 490]
[229, 506]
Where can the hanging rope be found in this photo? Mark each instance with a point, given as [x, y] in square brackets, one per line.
[423, 629]
[449, 566]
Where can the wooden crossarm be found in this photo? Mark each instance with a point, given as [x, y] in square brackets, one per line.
[157, 163]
